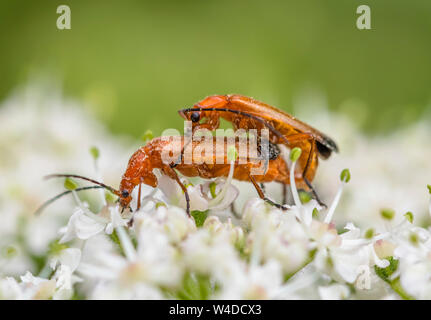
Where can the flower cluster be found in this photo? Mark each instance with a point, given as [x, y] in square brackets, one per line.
[226, 249]
[390, 170]
[41, 133]
[263, 253]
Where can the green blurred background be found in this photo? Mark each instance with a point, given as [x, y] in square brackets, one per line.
[137, 62]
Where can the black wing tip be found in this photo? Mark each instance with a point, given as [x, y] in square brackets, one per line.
[332, 145]
[326, 147]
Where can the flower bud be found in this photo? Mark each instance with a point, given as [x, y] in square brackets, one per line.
[69, 184]
[345, 175]
[409, 216]
[232, 154]
[94, 151]
[369, 233]
[414, 238]
[295, 154]
[161, 204]
[237, 236]
[213, 224]
[9, 252]
[213, 186]
[305, 197]
[148, 135]
[387, 214]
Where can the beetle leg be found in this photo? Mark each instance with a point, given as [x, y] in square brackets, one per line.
[284, 193]
[304, 174]
[181, 156]
[139, 196]
[262, 194]
[174, 175]
[315, 195]
[300, 137]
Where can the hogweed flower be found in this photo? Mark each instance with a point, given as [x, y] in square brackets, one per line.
[345, 178]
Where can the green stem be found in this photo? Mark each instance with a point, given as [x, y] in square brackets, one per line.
[396, 286]
[126, 243]
[306, 263]
[385, 275]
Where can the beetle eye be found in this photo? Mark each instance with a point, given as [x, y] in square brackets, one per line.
[124, 193]
[195, 117]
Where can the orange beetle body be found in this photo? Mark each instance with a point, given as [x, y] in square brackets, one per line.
[146, 159]
[212, 165]
[247, 113]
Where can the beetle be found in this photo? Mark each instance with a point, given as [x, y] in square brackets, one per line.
[149, 157]
[246, 113]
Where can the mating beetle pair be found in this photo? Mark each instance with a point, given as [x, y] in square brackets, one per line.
[243, 113]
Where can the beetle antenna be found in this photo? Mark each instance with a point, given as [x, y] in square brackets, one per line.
[326, 141]
[117, 193]
[48, 202]
[242, 113]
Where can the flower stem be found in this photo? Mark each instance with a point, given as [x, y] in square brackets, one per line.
[396, 286]
[334, 204]
[293, 185]
[126, 244]
[45, 272]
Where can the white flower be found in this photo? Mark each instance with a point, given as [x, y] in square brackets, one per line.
[30, 287]
[325, 235]
[275, 234]
[255, 282]
[153, 263]
[172, 221]
[10, 289]
[213, 254]
[65, 279]
[201, 197]
[414, 269]
[415, 279]
[42, 132]
[65, 263]
[214, 225]
[115, 221]
[69, 257]
[334, 292]
[349, 259]
[84, 224]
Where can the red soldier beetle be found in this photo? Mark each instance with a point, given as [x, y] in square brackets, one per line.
[247, 113]
[149, 157]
